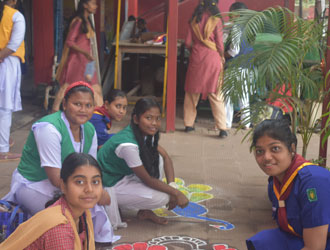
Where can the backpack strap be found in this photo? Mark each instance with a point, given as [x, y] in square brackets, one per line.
[13, 215]
[5, 203]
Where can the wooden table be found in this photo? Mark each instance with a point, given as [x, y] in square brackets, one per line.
[136, 48]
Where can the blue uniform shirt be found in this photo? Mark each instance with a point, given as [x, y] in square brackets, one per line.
[307, 206]
[102, 125]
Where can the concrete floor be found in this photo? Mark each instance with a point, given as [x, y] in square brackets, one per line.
[236, 191]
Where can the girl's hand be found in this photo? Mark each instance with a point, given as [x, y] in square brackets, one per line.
[105, 199]
[181, 199]
[172, 203]
[89, 57]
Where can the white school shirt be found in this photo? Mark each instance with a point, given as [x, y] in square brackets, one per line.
[48, 142]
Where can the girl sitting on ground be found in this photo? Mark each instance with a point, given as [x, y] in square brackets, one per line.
[67, 222]
[51, 139]
[132, 164]
[114, 108]
[298, 190]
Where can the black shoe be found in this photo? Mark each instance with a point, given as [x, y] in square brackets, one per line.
[223, 134]
[189, 129]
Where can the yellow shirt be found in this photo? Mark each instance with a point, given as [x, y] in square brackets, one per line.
[6, 26]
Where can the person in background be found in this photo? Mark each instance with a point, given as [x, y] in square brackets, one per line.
[205, 70]
[234, 48]
[114, 108]
[141, 26]
[132, 165]
[298, 190]
[78, 62]
[51, 139]
[12, 52]
[66, 223]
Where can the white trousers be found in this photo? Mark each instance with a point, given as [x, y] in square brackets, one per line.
[5, 124]
[243, 103]
[130, 193]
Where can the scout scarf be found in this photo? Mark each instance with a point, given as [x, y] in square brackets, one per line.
[283, 190]
[208, 29]
[102, 111]
[43, 221]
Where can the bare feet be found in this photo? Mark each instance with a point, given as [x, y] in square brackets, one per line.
[149, 215]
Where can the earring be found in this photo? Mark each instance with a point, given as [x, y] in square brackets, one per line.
[202, 3]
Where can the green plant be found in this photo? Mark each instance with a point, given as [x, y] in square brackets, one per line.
[286, 51]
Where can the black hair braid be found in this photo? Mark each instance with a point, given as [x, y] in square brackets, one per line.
[2, 6]
[148, 150]
[80, 13]
[198, 13]
[205, 5]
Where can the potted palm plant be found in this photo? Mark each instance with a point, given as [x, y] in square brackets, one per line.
[286, 54]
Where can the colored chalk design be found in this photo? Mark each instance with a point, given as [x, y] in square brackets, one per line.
[172, 243]
[196, 193]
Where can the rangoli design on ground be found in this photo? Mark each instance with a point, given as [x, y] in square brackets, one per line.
[172, 243]
[196, 193]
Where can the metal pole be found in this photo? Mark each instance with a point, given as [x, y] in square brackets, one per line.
[117, 43]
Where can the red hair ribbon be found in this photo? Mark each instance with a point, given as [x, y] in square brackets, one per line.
[75, 84]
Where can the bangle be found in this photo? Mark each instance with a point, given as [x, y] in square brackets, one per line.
[173, 185]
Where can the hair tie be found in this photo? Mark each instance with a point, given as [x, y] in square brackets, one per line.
[202, 3]
[76, 84]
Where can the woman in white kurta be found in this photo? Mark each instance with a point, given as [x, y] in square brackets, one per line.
[12, 30]
[51, 139]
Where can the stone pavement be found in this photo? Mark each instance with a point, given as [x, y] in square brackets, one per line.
[233, 191]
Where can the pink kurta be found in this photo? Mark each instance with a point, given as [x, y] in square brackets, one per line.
[75, 66]
[205, 64]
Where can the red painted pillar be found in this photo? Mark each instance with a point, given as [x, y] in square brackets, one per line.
[43, 40]
[323, 149]
[172, 13]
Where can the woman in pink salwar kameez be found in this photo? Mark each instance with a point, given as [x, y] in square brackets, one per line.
[204, 75]
[77, 54]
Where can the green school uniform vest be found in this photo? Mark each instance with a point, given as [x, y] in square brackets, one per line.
[113, 167]
[29, 166]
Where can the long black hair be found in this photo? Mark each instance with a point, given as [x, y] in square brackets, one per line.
[278, 129]
[79, 13]
[205, 5]
[147, 146]
[69, 166]
[2, 6]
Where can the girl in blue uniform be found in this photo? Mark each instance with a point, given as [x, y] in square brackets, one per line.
[299, 192]
[114, 108]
